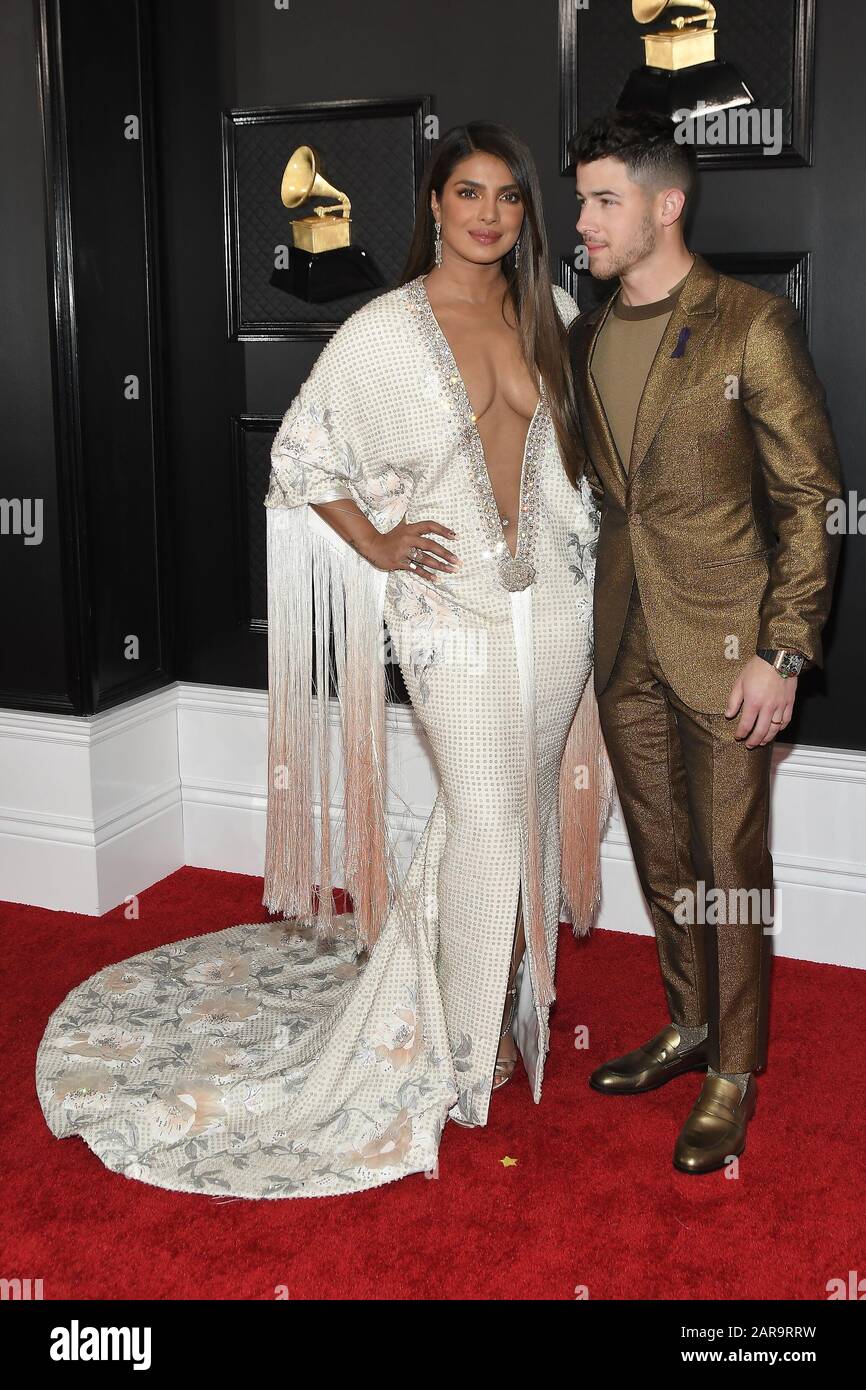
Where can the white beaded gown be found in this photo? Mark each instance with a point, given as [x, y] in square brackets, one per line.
[321, 1053]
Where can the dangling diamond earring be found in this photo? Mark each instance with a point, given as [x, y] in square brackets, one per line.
[438, 247]
[517, 253]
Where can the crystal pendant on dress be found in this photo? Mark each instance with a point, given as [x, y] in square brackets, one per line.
[515, 574]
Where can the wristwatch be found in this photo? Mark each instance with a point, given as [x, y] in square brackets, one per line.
[787, 663]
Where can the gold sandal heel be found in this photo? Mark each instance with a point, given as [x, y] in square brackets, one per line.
[505, 1062]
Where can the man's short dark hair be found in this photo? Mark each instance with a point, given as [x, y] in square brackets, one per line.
[644, 141]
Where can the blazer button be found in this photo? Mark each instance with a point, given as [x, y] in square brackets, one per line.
[636, 518]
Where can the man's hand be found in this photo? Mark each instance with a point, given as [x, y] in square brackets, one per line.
[767, 701]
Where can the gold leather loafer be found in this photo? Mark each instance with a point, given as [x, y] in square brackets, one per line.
[715, 1130]
[649, 1066]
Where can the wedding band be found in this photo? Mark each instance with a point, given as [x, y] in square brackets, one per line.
[412, 565]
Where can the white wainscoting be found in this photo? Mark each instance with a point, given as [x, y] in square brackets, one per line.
[97, 809]
[90, 809]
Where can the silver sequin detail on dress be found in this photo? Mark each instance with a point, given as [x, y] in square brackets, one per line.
[515, 572]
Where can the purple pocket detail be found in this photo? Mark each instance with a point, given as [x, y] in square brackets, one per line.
[679, 350]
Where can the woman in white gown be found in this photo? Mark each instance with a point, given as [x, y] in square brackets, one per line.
[322, 1053]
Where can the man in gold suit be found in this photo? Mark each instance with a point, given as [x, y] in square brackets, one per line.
[712, 458]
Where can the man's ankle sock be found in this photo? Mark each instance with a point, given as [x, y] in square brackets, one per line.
[690, 1036]
[741, 1078]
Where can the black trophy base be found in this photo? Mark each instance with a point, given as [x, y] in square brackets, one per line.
[326, 275]
[706, 86]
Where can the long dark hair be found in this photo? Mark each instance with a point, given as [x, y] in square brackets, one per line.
[541, 332]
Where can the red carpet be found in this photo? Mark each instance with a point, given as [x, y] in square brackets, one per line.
[592, 1200]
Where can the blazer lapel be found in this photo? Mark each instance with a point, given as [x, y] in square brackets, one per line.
[588, 329]
[674, 363]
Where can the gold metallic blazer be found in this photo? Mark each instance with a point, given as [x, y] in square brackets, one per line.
[722, 515]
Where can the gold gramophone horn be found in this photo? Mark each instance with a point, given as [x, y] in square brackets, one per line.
[645, 11]
[302, 180]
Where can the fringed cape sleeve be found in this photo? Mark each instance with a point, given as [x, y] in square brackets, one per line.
[320, 590]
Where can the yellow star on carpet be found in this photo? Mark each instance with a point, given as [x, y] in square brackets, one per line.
[508, 1162]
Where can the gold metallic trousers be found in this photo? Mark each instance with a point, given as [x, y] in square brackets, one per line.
[696, 805]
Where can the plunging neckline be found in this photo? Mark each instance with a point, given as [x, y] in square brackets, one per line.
[455, 379]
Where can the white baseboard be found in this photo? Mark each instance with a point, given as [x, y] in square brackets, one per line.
[90, 808]
[95, 810]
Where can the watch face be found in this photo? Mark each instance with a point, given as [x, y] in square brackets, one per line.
[791, 663]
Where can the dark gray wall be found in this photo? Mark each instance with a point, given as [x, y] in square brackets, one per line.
[475, 58]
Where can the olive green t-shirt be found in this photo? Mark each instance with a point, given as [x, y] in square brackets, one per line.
[623, 354]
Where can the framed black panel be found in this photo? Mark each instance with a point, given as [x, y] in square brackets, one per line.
[779, 272]
[373, 152]
[97, 96]
[772, 45]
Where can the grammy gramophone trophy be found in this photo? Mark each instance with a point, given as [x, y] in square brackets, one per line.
[682, 72]
[323, 263]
